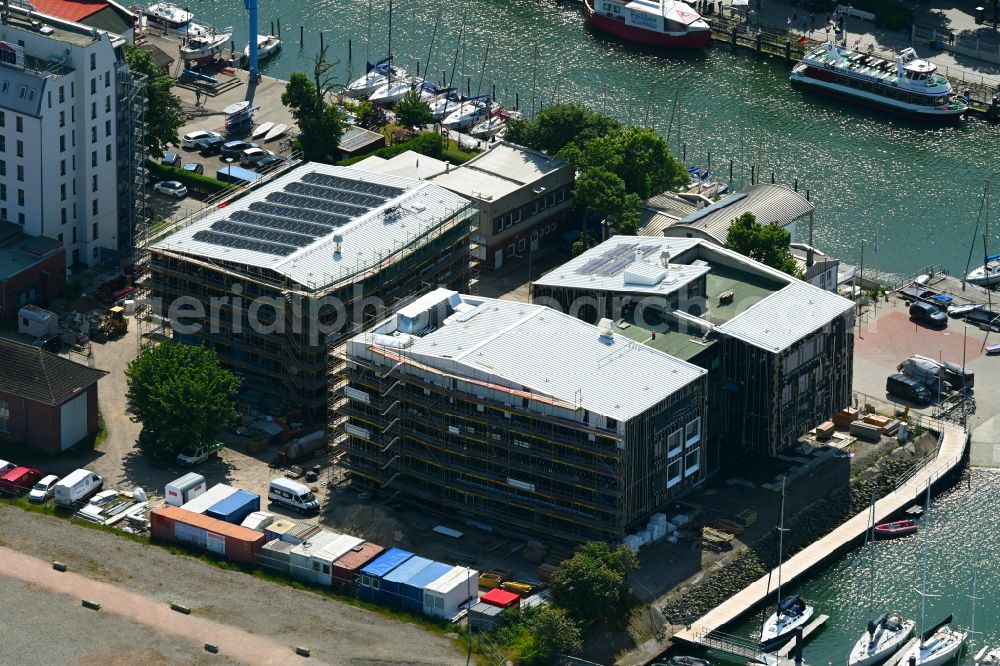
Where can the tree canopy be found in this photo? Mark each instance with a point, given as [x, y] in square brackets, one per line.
[321, 124]
[412, 111]
[557, 126]
[181, 395]
[537, 633]
[163, 108]
[767, 243]
[593, 584]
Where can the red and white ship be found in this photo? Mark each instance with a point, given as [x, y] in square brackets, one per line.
[655, 22]
[909, 86]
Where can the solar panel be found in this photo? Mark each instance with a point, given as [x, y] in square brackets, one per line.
[284, 198]
[329, 194]
[261, 233]
[619, 250]
[648, 249]
[295, 226]
[225, 240]
[592, 265]
[615, 267]
[329, 220]
[375, 189]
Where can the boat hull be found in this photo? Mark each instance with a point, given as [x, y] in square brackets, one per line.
[861, 655]
[697, 39]
[205, 53]
[931, 114]
[935, 657]
[895, 530]
[772, 638]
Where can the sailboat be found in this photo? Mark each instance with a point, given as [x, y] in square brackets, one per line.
[940, 643]
[987, 656]
[792, 613]
[885, 634]
[988, 274]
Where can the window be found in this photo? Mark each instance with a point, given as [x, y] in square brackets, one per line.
[107, 104]
[107, 80]
[93, 86]
[674, 444]
[692, 432]
[510, 250]
[62, 145]
[62, 167]
[59, 238]
[691, 462]
[674, 472]
[20, 172]
[62, 215]
[93, 159]
[93, 110]
[520, 245]
[93, 179]
[20, 219]
[62, 94]
[107, 128]
[22, 92]
[4, 416]
[20, 148]
[107, 153]
[62, 119]
[3, 167]
[20, 197]
[3, 192]
[93, 61]
[62, 192]
[74, 234]
[3, 143]
[3, 213]
[93, 207]
[19, 124]
[72, 88]
[3, 118]
[93, 134]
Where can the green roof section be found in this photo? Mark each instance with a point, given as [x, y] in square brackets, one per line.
[748, 290]
[669, 338]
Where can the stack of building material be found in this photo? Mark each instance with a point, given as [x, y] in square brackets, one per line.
[826, 429]
[501, 598]
[845, 417]
[863, 430]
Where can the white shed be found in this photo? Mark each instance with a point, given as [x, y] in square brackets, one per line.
[323, 559]
[34, 321]
[444, 596]
[301, 563]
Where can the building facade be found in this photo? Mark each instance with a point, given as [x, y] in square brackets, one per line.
[520, 417]
[32, 270]
[68, 116]
[47, 402]
[524, 197]
[779, 352]
[299, 264]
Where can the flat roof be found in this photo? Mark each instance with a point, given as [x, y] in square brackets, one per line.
[501, 169]
[19, 252]
[667, 334]
[408, 164]
[531, 351]
[295, 224]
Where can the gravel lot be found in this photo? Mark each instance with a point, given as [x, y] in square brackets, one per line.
[86, 638]
[337, 633]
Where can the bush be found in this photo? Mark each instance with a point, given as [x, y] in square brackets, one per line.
[196, 183]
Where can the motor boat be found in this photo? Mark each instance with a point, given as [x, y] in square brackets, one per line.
[377, 76]
[168, 15]
[392, 92]
[987, 657]
[492, 126]
[204, 48]
[470, 112]
[267, 46]
[894, 530]
[883, 637]
[937, 646]
[986, 275]
[793, 613]
[668, 23]
[445, 104]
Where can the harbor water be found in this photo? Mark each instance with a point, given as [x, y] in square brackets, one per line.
[963, 532]
[917, 188]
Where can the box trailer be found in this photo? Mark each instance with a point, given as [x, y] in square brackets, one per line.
[181, 491]
[345, 570]
[274, 556]
[235, 508]
[300, 561]
[36, 322]
[370, 579]
[209, 498]
[444, 596]
[234, 543]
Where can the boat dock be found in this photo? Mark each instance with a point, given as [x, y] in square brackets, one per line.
[953, 441]
[811, 628]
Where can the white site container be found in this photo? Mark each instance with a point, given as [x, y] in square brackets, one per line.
[181, 491]
[209, 498]
[444, 596]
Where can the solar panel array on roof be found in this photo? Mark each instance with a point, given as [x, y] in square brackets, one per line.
[329, 220]
[323, 193]
[261, 233]
[295, 226]
[385, 192]
[648, 249]
[592, 265]
[615, 267]
[308, 203]
[267, 247]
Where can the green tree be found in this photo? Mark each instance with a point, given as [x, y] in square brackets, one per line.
[559, 125]
[412, 111]
[535, 634]
[600, 191]
[640, 157]
[583, 243]
[593, 584]
[181, 395]
[767, 243]
[163, 108]
[321, 124]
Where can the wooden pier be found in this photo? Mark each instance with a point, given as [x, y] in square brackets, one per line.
[950, 453]
[811, 628]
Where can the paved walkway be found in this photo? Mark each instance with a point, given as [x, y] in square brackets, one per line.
[233, 642]
[949, 455]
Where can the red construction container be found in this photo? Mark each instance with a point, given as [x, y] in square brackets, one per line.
[501, 598]
[235, 543]
[345, 569]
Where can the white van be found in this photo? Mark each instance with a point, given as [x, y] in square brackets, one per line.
[292, 494]
[76, 486]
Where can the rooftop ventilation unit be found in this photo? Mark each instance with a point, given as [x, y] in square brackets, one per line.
[338, 241]
[606, 328]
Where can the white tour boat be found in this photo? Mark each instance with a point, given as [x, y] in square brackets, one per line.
[909, 86]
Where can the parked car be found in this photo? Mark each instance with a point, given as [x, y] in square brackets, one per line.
[927, 314]
[19, 480]
[191, 139]
[198, 453]
[50, 342]
[77, 486]
[232, 149]
[171, 188]
[908, 388]
[251, 156]
[269, 162]
[171, 159]
[43, 490]
[210, 146]
[194, 167]
[294, 495]
[6, 466]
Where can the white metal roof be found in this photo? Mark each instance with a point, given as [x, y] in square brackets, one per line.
[535, 348]
[290, 224]
[576, 273]
[768, 203]
[502, 169]
[786, 316]
[409, 164]
[455, 577]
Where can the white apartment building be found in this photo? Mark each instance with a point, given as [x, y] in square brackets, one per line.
[66, 137]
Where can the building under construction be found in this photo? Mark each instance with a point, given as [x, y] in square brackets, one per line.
[272, 280]
[779, 351]
[521, 417]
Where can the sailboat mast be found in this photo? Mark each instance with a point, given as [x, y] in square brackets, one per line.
[986, 250]
[972, 629]
[781, 538]
[390, 44]
[923, 590]
[870, 547]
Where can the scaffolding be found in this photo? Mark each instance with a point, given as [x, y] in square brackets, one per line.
[133, 195]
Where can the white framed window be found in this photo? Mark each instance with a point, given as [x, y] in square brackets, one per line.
[4, 416]
[692, 462]
[674, 443]
[692, 431]
[674, 473]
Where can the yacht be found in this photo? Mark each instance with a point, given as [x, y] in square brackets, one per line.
[988, 657]
[470, 112]
[169, 15]
[666, 23]
[986, 275]
[792, 614]
[203, 48]
[390, 93]
[376, 77]
[881, 640]
[908, 86]
[267, 46]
